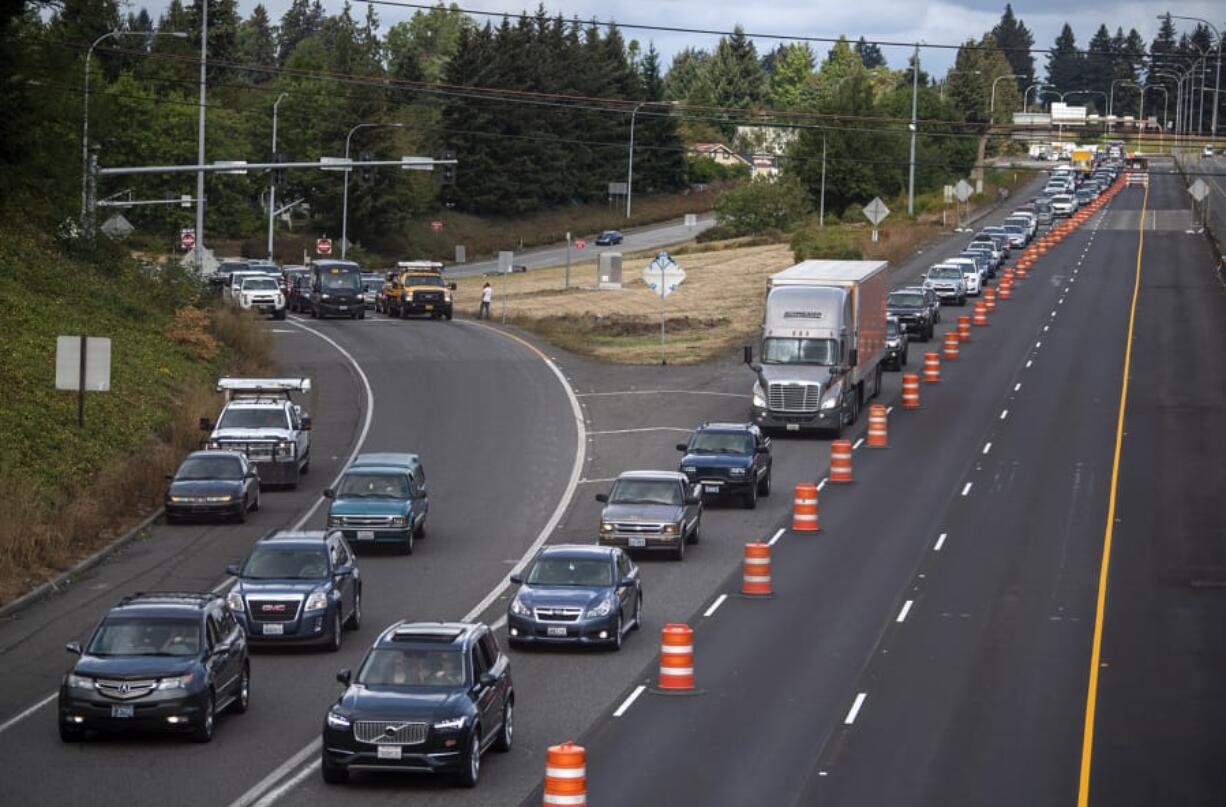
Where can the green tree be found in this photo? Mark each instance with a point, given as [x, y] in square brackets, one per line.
[419, 48]
[792, 76]
[1066, 67]
[659, 156]
[870, 54]
[762, 205]
[257, 44]
[737, 79]
[1098, 70]
[302, 20]
[689, 80]
[1015, 40]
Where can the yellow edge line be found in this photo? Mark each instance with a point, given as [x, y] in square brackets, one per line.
[1087, 743]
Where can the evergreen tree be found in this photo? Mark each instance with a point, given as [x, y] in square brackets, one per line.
[1097, 71]
[839, 68]
[1132, 63]
[688, 80]
[870, 54]
[1066, 63]
[257, 44]
[303, 19]
[737, 80]
[907, 77]
[793, 72]
[1015, 40]
[659, 158]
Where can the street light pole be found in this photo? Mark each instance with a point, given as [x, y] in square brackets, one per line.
[272, 186]
[630, 166]
[345, 199]
[992, 105]
[85, 93]
[204, 54]
[914, 128]
[1217, 73]
[1026, 94]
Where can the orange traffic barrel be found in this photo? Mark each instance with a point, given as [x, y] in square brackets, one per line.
[1043, 246]
[878, 426]
[676, 657]
[910, 391]
[964, 328]
[989, 300]
[932, 368]
[951, 345]
[1008, 274]
[840, 461]
[756, 574]
[804, 508]
[1021, 272]
[980, 317]
[1006, 289]
[566, 775]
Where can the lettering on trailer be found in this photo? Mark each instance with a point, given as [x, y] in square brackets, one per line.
[802, 314]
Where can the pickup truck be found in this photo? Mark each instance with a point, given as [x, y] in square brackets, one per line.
[729, 459]
[381, 499]
[651, 510]
[262, 422]
[916, 309]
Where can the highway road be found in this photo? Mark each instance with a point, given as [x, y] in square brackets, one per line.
[654, 236]
[977, 693]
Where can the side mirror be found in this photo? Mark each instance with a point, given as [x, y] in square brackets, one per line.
[233, 569]
[73, 647]
[487, 679]
[625, 582]
[763, 449]
[694, 498]
[344, 676]
[342, 571]
[170, 477]
[252, 474]
[517, 579]
[306, 423]
[329, 493]
[854, 358]
[603, 498]
[747, 354]
[682, 447]
[206, 425]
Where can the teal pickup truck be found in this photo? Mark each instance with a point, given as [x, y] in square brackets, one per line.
[381, 499]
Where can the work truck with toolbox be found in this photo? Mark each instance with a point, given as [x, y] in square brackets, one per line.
[261, 421]
[823, 342]
[416, 287]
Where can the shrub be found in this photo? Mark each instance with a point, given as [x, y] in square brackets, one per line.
[762, 204]
[827, 243]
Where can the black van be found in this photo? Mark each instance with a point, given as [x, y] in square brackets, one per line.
[337, 290]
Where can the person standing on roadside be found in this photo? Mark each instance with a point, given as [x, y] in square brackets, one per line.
[487, 299]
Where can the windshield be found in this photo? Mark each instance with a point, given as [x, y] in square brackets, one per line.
[571, 572]
[269, 562]
[968, 269]
[412, 667]
[265, 418]
[946, 272]
[906, 300]
[338, 279]
[1013, 229]
[145, 636]
[259, 284]
[227, 267]
[777, 350]
[891, 328]
[374, 486]
[372, 285]
[423, 280]
[721, 443]
[645, 491]
[210, 468]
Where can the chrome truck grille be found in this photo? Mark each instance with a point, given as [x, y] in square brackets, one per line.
[793, 397]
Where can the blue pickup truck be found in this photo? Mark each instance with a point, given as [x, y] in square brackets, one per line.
[381, 499]
[729, 459]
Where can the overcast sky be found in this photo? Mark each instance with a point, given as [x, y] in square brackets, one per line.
[937, 21]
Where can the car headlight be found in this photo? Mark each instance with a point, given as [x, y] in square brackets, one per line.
[336, 720]
[361, 298]
[602, 608]
[454, 724]
[176, 682]
[671, 529]
[235, 601]
[336, 521]
[218, 499]
[605, 526]
[79, 682]
[280, 300]
[759, 396]
[287, 448]
[518, 607]
[737, 471]
[323, 296]
[317, 601]
[214, 445]
[400, 521]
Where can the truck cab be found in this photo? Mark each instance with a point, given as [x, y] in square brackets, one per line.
[417, 287]
[381, 499]
[261, 422]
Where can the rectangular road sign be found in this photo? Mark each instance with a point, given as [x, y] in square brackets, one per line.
[97, 363]
[506, 259]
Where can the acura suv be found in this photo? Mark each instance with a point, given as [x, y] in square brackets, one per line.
[427, 697]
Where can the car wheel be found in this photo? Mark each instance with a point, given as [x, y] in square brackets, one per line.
[506, 735]
[421, 530]
[306, 466]
[928, 332]
[70, 734]
[332, 774]
[334, 641]
[279, 314]
[256, 505]
[355, 618]
[750, 499]
[472, 763]
[242, 698]
[171, 519]
[903, 361]
[618, 629]
[962, 300]
[313, 313]
[694, 536]
[362, 315]
[448, 316]
[241, 515]
[638, 612]
[764, 484]
[203, 731]
[679, 552]
[406, 546]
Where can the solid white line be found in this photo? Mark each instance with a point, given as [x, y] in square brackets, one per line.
[715, 605]
[855, 709]
[987, 448]
[644, 429]
[17, 718]
[967, 489]
[940, 542]
[857, 444]
[906, 609]
[1017, 386]
[821, 484]
[775, 537]
[1004, 413]
[630, 699]
[597, 481]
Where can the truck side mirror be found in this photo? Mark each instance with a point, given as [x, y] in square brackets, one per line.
[306, 423]
[853, 357]
[748, 354]
[329, 493]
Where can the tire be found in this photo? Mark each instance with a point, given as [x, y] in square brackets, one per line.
[638, 612]
[903, 361]
[332, 774]
[506, 734]
[421, 530]
[69, 734]
[447, 315]
[749, 500]
[242, 698]
[679, 552]
[355, 618]
[335, 643]
[962, 300]
[362, 315]
[472, 768]
[694, 536]
[618, 630]
[764, 484]
[927, 333]
[402, 312]
[241, 515]
[306, 466]
[256, 505]
[172, 519]
[202, 732]
[313, 314]
[406, 548]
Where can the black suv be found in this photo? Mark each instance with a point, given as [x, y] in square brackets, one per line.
[427, 697]
[729, 459]
[158, 661]
[917, 310]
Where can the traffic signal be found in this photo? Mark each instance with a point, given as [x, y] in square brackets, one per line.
[278, 174]
[447, 174]
[367, 174]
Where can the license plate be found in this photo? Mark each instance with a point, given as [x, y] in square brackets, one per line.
[123, 711]
[552, 631]
[710, 488]
[389, 752]
[793, 427]
[637, 542]
[366, 535]
[274, 630]
[429, 308]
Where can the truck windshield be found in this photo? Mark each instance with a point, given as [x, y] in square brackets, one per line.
[253, 419]
[374, 486]
[423, 280]
[779, 350]
[645, 491]
[721, 443]
[340, 280]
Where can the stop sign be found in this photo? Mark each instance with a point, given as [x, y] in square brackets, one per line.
[187, 239]
[323, 246]
[580, 243]
[436, 225]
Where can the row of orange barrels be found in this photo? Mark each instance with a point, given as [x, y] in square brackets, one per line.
[566, 764]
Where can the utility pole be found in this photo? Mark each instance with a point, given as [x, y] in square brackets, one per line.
[630, 165]
[272, 186]
[204, 55]
[821, 211]
[914, 107]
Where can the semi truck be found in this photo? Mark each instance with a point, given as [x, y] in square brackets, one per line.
[822, 346]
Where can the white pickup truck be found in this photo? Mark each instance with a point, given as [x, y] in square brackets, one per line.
[262, 422]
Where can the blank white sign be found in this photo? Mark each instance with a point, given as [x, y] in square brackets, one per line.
[97, 363]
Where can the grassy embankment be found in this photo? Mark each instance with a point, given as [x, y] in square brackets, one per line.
[719, 307]
[66, 491]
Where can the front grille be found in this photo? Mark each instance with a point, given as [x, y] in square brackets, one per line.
[638, 528]
[126, 690]
[427, 296]
[270, 610]
[382, 732]
[255, 451]
[558, 614]
[363, 521]
[793, 397]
